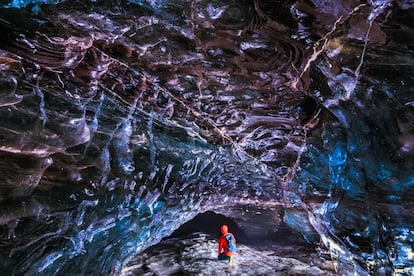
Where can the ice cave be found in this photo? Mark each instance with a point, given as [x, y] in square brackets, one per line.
[131, 129]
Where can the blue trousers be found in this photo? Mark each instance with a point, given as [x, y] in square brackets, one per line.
[223, 257]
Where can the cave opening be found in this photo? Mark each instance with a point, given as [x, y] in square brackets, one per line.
[209, 223]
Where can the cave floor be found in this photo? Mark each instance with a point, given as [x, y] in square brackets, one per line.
[196, 254]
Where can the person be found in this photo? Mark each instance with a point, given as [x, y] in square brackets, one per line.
[224, 252]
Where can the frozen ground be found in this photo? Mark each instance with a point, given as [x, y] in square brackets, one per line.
[196, 255]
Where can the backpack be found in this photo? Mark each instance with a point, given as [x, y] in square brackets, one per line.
[231, 244]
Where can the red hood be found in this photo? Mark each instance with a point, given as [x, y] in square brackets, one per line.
[224, 229]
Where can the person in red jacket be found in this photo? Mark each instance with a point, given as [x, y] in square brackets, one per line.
[223, 251]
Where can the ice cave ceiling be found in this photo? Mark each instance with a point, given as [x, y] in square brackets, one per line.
[122, 120]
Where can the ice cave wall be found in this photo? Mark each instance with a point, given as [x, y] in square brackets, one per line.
[122, 120]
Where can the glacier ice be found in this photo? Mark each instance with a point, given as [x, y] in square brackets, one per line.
[122, 120]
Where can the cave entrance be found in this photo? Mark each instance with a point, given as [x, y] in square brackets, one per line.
[209, 223]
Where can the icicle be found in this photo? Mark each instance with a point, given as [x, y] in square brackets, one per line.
[151, 139]
[95, 123]
[126, 161]
[41, 96]
[106, 165]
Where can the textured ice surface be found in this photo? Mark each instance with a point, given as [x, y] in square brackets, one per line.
[121, 120]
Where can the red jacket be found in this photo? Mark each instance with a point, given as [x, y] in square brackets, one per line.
[222, 241]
